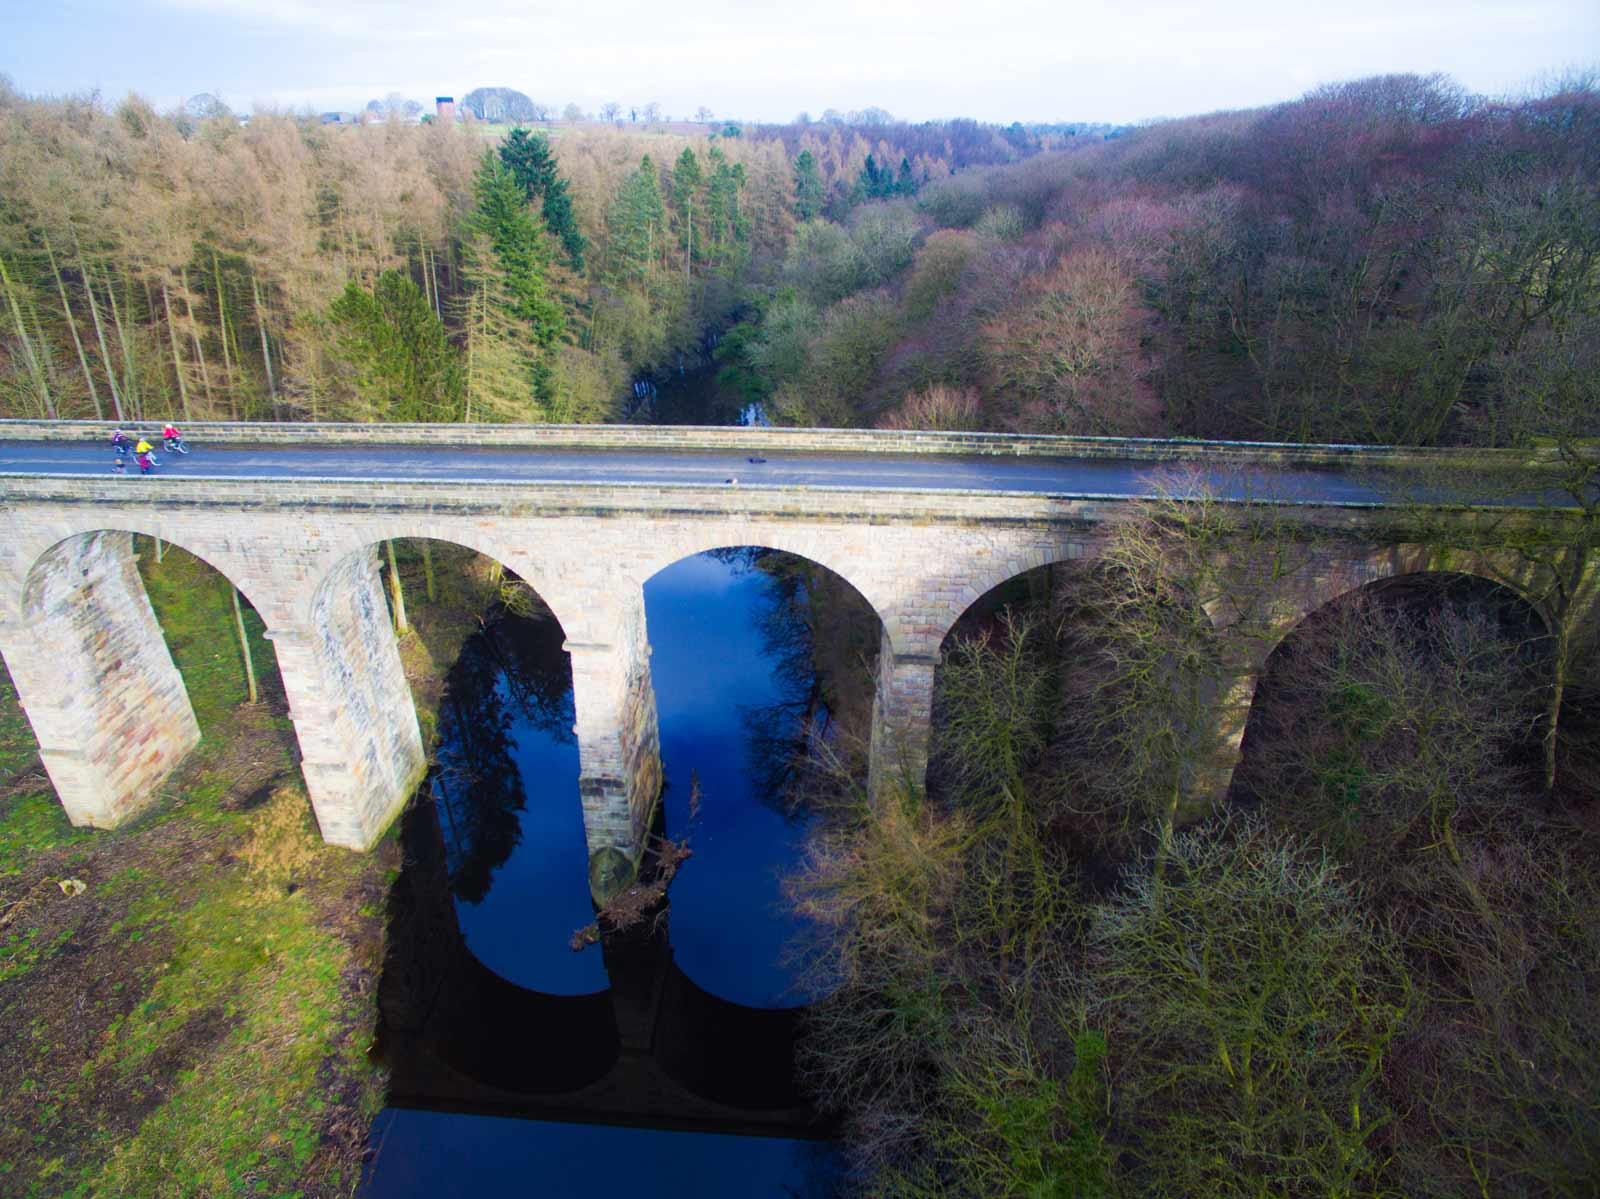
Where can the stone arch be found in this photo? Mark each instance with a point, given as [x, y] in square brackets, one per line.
[1005, 566]
[764, 544]
[820, 547]
[356, 714]
[30, 556]
[90, 662]
[355, 540]
[1335, 578]
[902, 686]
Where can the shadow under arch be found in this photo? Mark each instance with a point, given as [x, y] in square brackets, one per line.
[1507, 612]
[1004, 583]
[451, 1026]
[1033, 589]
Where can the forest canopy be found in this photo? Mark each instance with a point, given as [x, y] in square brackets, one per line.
[1388, 260]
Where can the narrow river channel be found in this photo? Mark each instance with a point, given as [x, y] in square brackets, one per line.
[663, 1060]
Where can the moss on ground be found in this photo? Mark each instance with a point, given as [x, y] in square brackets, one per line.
[195, 1021]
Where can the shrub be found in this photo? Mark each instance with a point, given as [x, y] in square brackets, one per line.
[1249, 1004]
[939, 407]
[940, 264]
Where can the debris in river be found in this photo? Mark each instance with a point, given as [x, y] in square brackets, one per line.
[629, 908]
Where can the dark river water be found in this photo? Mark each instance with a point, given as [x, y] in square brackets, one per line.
[521, 1067]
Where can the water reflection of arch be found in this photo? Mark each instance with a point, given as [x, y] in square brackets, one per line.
[727, 1052]
[439, 1004]
[742, 681]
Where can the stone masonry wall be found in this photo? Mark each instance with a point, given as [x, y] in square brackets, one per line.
[98, 683]
[301, 552]
[360, 745]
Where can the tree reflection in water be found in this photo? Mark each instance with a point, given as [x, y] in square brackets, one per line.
[512, 674]
[820, 638]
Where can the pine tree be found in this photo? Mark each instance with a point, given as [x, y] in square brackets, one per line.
[808, 187]
[687, 185]
[726, 224]
[637, 218]
[906, 182]
[404, 367]
[505, 257]
[529, 159]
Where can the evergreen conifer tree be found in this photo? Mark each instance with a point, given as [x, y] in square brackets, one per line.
[637, 218]
[513, 324]
[808, 188]
[687, 184]
[528, 157]
[404, 366]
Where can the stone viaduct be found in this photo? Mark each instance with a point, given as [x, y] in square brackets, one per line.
[112, 716]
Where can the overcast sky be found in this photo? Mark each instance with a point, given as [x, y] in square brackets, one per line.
[997, 60]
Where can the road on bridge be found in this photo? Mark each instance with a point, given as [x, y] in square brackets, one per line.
[1066, 477]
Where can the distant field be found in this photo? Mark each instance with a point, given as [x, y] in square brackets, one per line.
[498, 129]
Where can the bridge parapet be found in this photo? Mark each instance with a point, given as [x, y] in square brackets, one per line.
[753, 439]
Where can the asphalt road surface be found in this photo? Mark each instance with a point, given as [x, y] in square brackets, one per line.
[1064, 477]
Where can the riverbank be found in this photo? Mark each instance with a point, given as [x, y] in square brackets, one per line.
[195, 1018]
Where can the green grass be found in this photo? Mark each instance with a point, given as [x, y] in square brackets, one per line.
[243, 1118]
[209, 1039]
[32, 823]
[195, 606]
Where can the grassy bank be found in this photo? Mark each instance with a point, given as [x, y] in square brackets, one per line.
[195, 1020]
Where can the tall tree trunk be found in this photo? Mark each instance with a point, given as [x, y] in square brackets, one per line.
[99, 328]
[130, 384]
[472, 362]
[397, 591]
[238, 357]
[244, 645]
[433, 272]
[226, 333]
[194, 333]
[177, 360]
[427, 568]
[427, 285]
[34, 367]
[1552, 708]
[72, 323]
[266, 353]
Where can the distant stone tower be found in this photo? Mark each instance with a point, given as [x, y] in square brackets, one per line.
[445, 106]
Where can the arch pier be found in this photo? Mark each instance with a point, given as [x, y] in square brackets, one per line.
[360, 746]
[619, 744]
[91, 668]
